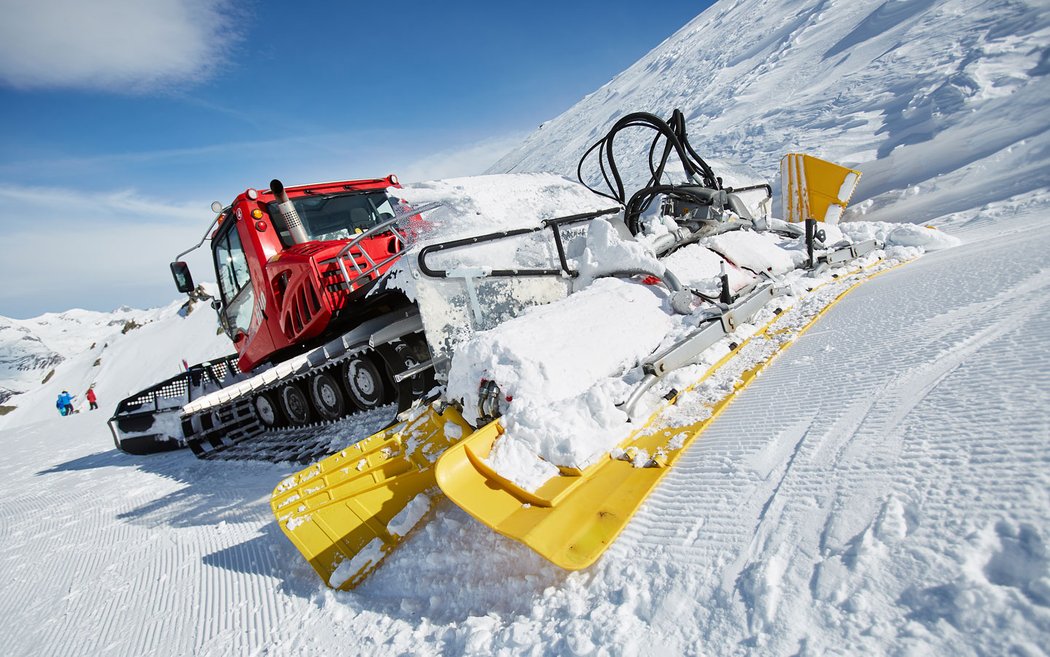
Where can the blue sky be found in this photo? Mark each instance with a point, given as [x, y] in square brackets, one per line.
[122, 120]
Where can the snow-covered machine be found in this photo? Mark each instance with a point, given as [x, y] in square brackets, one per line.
[561, 351]
[536, 369]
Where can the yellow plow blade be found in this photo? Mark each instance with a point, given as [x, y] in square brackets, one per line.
[812, 188]
[346, 512]
[576, 515]
[573, 517]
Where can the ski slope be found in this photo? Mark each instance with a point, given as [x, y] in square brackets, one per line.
[882, 488]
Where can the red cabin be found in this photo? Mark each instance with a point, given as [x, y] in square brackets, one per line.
[283, 289]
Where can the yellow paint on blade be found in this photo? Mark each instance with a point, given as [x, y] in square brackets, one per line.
[812, 188]
[339, 507]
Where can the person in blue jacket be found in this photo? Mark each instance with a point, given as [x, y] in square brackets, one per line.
[65, 403]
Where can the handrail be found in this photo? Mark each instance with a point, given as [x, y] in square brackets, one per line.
[384, 227]
[555, 226]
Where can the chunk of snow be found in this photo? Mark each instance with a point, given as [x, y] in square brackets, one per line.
[606, 252]
[409, 516]
[515, 460]
[369, 555]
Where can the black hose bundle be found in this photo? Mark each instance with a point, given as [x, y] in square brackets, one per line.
[672, 133]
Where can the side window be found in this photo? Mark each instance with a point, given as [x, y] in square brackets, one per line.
[221, 250]
[238, 262]
[234, 281]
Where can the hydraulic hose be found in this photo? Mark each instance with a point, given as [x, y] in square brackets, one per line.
[671, 135]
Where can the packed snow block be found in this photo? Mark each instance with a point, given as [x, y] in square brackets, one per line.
[700, 267]
[757, 252]
[603, 329]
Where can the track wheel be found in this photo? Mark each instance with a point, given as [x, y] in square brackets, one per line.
[267, 410]
[327, 396]
[401, 356]
[364, 382]
[295, 405]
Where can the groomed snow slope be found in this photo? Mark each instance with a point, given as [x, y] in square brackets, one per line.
[881, 488]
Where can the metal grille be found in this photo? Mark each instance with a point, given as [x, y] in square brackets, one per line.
[177, 391]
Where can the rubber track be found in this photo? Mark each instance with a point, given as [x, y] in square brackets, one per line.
[237, 434]
[302, 445]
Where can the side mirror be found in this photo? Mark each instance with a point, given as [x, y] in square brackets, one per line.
[181, 272]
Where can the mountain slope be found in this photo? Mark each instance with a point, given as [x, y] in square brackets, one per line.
[119, 353]
[938, 103]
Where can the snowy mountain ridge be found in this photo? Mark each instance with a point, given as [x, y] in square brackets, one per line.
[32, 347]
[118, 352]
[933, 100]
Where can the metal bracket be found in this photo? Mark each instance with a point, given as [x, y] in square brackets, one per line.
[688, 349]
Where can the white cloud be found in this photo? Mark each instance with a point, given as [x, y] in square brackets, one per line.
[103, 249]
[88, 250]
[111, 44]
[470, 160]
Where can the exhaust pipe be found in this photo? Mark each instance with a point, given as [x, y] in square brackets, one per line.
[288, 214]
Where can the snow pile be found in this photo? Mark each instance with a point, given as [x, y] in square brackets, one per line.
[758, 252]
[552, 360]
[552, 350]
[606, 253]
[903, 235]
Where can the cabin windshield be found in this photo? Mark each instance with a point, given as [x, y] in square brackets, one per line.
[336, 216]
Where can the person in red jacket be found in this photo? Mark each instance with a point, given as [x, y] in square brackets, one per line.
[92, 400]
